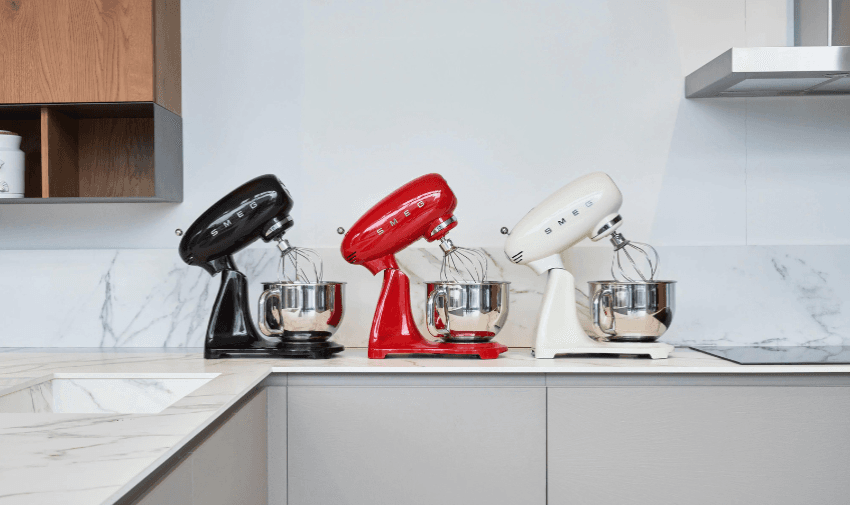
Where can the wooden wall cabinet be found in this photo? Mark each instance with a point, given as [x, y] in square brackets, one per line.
[93, 87]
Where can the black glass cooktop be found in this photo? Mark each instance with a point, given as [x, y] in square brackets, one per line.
[780, 355]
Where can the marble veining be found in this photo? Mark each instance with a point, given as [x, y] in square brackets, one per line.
[31, 399]
[726, 295]
[87, 394]
[812, 289]
[780, 354]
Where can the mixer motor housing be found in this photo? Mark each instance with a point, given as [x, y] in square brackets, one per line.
[585, 208]
[422, 208]
[258, 209]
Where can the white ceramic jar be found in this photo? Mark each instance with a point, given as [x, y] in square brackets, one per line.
[11, 165]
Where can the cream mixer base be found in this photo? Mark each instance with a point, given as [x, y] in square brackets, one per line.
[558, 330]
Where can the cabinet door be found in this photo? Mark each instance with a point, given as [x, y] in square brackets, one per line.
[277, 460]
[174, 489]
[76, 51]
[416, 445]
[698, 445]
[230, 467]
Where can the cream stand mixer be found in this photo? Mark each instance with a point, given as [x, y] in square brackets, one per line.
[584, 208]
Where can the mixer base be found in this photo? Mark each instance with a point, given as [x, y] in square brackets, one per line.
[487, 350]
[653, 350]
[306, 350]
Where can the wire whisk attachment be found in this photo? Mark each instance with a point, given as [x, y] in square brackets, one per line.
[632, 261]
[298, 265]
[461, 264]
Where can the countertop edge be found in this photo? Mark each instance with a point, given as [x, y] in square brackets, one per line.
[178, 447]
[743, 370]
[245, 376]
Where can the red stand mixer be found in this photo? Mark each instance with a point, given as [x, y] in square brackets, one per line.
[422, 208]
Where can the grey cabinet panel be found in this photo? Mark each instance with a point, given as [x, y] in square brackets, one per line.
[231, 466]
[698, 445]
[416, 445]
[277, 444]
[457, 380]
[174, 489]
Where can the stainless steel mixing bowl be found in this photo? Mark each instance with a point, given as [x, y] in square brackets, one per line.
[631, 311]
[466, 312]
[301, 312]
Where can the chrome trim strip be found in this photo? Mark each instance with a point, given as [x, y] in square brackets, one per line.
[442, 226]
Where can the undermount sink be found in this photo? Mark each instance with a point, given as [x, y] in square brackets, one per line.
[63, 393]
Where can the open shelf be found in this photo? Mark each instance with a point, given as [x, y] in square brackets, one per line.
[98, 152]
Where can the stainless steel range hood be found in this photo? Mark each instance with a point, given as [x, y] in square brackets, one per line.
[817, 64]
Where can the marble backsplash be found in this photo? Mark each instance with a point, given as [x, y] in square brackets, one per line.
[149, 298]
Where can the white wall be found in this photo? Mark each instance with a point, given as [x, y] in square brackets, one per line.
[345, 101]
[508, 100]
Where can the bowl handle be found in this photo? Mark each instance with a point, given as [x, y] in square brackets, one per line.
[596, 313]
[261, 312]
[430, 308]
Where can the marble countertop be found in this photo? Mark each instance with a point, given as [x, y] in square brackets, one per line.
[96, 458]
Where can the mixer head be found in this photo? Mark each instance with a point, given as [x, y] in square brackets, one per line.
[422, 208]
[632, 261]
[461, 264]
[567, 216]
[298, 265]
[258, 209]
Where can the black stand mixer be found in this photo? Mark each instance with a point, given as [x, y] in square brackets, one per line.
[257, 209]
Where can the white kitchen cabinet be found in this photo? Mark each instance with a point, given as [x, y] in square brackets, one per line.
[733, 441]
[173, 489]
[400, 439]
[226, 468]
[277, 456]
[230, 467]
[405, 440]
